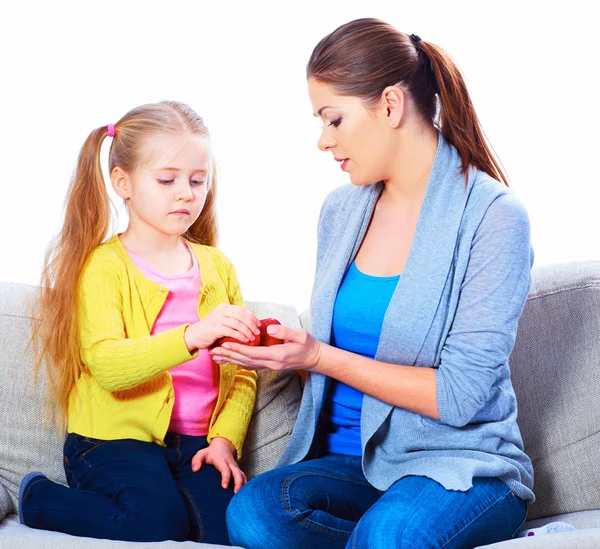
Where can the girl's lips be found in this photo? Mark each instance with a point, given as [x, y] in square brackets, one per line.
[181, 212]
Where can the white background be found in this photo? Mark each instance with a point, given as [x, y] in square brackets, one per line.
[67, 68]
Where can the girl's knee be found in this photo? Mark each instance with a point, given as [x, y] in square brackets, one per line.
[169, 523]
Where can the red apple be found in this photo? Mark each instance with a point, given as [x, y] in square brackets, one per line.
[266, 340]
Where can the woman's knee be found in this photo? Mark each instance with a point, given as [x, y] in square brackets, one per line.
[253, 513]
[378, 530]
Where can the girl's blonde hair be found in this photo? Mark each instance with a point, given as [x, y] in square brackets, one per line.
[86, 225]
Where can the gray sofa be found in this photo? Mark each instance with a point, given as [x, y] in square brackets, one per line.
[555, 369]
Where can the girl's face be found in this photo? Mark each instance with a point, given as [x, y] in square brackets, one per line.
[356, 136]
[167, 191]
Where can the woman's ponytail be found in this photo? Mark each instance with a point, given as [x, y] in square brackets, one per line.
[457, 119]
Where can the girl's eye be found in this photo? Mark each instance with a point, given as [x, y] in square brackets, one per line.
[166, 181]
[198, 182]
[335, 123]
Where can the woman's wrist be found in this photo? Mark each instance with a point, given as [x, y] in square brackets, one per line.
[318, 358]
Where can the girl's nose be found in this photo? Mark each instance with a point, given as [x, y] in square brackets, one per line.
[185, 193]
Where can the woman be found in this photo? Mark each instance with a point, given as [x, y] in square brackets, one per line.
[407, 433]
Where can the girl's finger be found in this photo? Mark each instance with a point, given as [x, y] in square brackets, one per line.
[238, 478]
[198, 460]
[225, 473]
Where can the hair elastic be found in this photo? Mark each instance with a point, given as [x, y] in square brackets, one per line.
[415, 39]
[111, 130]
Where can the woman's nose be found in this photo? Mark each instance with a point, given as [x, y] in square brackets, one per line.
[326, 142]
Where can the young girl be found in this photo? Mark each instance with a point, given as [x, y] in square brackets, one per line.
[154, 425]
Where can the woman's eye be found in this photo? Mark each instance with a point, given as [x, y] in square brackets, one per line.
[198, 182]
[165, 181]
[335, 123]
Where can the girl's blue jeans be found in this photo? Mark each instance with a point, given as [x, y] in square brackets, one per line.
[327, 503]
[133, 491]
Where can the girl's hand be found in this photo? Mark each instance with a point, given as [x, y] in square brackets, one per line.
[220, 453]
[223, 320]
[299, 351]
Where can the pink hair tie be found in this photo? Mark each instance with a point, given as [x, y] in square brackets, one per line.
[111, 130]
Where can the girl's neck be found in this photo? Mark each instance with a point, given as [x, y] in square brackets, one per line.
[150, 241]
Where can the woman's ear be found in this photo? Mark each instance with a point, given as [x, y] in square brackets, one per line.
[393, 102]
[120, 183]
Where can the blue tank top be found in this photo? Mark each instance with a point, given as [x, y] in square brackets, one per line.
[358, 312]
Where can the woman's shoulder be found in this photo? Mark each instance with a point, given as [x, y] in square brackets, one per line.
[486, 192]
[494, 202]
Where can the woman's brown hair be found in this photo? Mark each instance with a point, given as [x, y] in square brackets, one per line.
[86, 225]
[363, 57]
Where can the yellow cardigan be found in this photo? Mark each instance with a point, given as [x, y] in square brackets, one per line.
[127, 391]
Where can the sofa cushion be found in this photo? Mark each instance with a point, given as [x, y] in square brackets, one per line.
[555, 369]
[579, 521]
[16, 536]
[5, 503]
[28, 440]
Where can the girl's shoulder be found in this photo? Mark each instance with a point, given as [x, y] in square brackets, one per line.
[110, 255]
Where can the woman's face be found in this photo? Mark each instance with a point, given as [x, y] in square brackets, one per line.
[357, 137]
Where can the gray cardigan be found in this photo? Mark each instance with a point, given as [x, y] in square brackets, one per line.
[455, 309]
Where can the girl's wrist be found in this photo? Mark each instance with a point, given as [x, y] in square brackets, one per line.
[189, 340]
[225, 442]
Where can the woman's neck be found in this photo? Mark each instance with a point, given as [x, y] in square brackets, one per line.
[411, 167]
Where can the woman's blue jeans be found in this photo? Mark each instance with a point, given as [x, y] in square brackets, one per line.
[133, 491]
[327, 503]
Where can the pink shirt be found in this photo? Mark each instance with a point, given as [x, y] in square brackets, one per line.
[196, 382]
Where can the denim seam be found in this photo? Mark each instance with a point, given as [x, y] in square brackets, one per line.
[306, 522]
[201, 525]
[520, 526]
[508, 492]
[31, 485]
[81, 456]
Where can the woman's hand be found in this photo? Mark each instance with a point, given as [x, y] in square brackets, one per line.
[223, 320]
[221, 454]
[299, 351]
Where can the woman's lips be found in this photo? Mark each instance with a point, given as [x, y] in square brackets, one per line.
[180, 212]
[344, 162]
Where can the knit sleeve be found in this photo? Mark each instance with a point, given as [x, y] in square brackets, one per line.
[492, 296]
[116, 361]
[234, 417]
